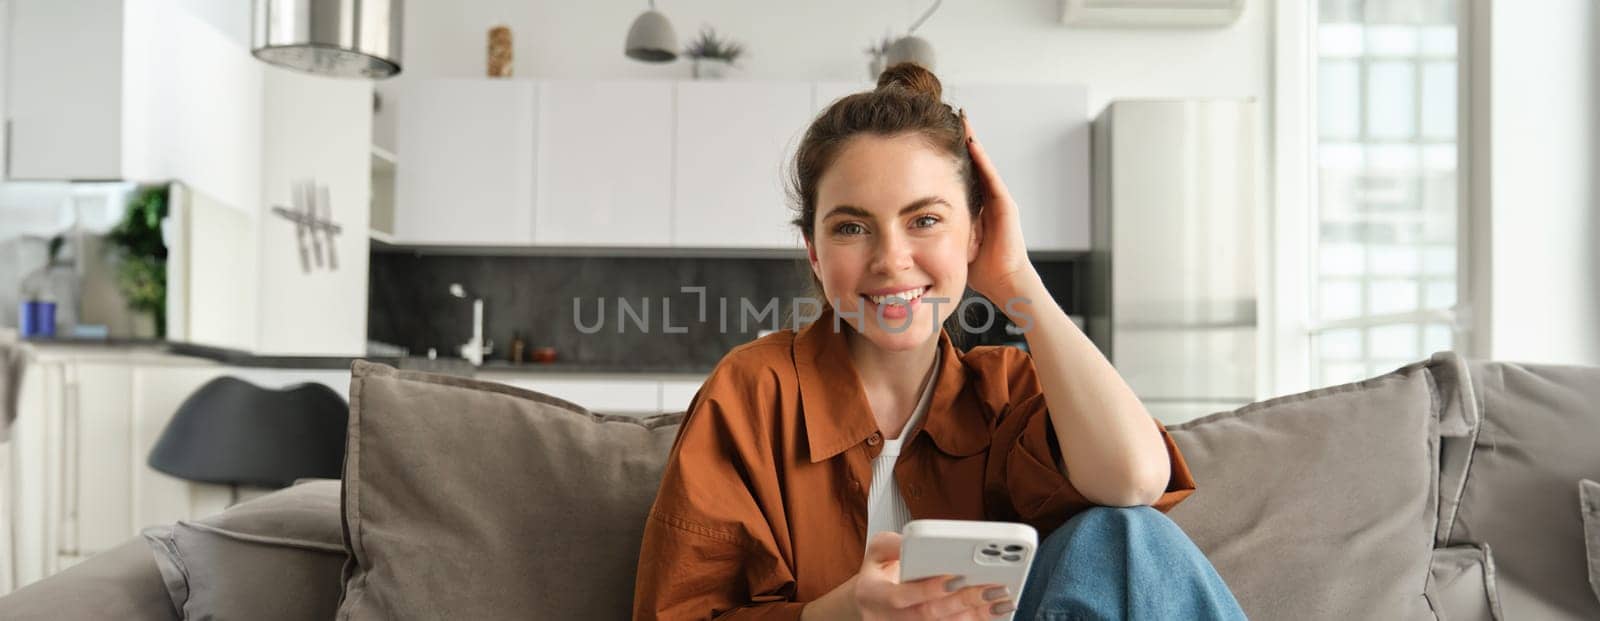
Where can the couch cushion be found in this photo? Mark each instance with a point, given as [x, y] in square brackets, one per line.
[121, 583]
[274, 557]
[473, 500]
[1589, 499]
[1324, 504]
[1539, 437]
[1461, 585]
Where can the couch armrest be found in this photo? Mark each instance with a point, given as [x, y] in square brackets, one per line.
[120, 583]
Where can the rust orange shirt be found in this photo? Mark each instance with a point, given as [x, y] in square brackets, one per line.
[763, 504]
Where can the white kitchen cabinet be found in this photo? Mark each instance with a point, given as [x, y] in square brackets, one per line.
[734, 142]
[605, 163]
[825, 93]
[131, 89]
[1037, 135]
[465, 173]
[677, 394]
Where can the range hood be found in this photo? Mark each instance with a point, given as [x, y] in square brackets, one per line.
[340, 38]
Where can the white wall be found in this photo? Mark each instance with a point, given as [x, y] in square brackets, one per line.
[1004, 41]
[1541, 224]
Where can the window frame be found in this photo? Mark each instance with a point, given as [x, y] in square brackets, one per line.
[1292, 276]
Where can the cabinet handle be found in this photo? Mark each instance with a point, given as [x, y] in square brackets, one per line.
[7, 174]
[71, 431]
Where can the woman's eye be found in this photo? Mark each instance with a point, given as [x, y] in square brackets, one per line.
[849, 228]
[925, 221]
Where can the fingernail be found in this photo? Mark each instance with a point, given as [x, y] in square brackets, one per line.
[995, 593]
[1002, 608]
[954, 585]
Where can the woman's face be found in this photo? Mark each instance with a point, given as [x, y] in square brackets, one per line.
[892, 238]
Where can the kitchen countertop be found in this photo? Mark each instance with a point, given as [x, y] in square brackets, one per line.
[451, 366]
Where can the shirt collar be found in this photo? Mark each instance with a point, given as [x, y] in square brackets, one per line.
[834, 406]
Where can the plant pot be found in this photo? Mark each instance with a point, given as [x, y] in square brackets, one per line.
[711, 68]
[143, 325]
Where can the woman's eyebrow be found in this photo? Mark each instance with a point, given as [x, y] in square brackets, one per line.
[852, 210]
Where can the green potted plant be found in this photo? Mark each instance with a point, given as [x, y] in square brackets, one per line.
[713, 55]
[142, 255]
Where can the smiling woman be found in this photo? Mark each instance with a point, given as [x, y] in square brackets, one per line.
[807, 451]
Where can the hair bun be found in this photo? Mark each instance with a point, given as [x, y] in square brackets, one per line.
[912, 77]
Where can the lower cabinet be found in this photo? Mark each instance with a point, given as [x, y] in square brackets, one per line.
[75, 478]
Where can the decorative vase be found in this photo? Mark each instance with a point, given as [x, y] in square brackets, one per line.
[500, 52]
[711, 68]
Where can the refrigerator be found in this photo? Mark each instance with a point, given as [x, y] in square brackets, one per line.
[1171, 287]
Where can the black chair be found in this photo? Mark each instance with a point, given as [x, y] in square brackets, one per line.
[235, 433]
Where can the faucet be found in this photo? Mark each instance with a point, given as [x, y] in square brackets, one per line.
[475, 349]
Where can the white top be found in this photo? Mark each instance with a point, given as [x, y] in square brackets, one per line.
[886, 509]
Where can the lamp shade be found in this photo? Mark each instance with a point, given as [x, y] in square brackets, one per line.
[651, 39]
[236, 433]
[911, 49]
[340, 38]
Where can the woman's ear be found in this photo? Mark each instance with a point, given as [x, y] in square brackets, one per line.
[975, 242]
[811, 255]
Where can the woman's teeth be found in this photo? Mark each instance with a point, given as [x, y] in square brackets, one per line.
[902, 298]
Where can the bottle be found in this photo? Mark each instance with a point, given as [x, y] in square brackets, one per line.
[517, 347]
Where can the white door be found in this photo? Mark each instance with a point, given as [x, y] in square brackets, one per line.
[466, 162]
[1038, 137]
[605, 163]
[733, 147]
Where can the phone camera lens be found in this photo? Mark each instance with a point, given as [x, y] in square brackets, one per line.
[1015, 558]
[991, 552]
[1013, 548]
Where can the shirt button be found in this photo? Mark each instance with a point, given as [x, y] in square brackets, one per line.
[875, 438]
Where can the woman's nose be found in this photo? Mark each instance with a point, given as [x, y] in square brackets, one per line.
[893, 254]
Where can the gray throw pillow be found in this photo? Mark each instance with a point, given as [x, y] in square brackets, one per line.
[473, 500]
[1538, 438]
[274, 557]
[1324, 504]
[1589, 503]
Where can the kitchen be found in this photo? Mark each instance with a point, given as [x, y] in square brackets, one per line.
[556, 197]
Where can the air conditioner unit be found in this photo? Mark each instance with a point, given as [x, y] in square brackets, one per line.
[1151, 13]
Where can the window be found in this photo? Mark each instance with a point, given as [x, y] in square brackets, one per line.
[1384, 261]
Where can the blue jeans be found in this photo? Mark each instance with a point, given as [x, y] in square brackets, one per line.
[1123, 563]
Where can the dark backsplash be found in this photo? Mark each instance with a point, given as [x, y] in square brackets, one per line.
[410, 305]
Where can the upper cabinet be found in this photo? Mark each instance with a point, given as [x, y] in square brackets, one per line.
[698, 164]
[137, 90]
[465, 173]
[734, 143]
[605, 164]
[1037, 136]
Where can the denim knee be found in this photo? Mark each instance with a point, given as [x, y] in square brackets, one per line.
[1143, 566]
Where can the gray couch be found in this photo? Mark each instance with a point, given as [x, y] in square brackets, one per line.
[1443, 490]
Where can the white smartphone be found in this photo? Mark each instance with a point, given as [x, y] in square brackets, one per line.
[981, 552]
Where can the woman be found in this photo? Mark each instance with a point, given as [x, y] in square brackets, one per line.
[801, 445]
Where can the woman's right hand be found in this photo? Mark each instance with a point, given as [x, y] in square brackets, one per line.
[879, 594]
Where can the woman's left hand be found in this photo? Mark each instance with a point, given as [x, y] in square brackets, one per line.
[1001, 270]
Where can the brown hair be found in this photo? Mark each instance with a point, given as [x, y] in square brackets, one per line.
[906, 101]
